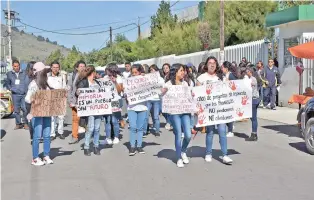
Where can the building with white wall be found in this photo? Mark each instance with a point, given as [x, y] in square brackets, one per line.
[295, 26]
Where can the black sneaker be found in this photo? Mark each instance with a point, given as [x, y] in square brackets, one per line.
[87, 152]
[61, 137]
[140, 150]
[132, 151]
[157, 134]
[96, 151]
[52, 138]
[145, 135]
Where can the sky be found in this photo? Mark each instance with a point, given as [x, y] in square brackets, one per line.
[56, 15]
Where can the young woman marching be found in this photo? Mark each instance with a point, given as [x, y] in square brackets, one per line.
[41, 125]
[137, 114]
[226, 68]
[212, 73]
[166, 73]
[86, 79]
[112, 72]
[255, 103]
[179, 121]
[154, 104]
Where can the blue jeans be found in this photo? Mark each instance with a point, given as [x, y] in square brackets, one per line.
[179, 122]
[155, 106]
[41, 127]
[93, 126]
[261, 93]
[270, 96]
[255, 103]
[19, 103]
[137, 122]
[230, 126]
[114, 118]
[222, 138]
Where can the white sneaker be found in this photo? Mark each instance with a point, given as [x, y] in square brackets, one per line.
[180, 163]
[227, 160]
[37, 162]
[116, 140]
[108, 141]
[47, 160]
[81, 129]
[182, 135]
[268, 106]
[208, 158]
[167, 126]
[230, 134]
[185, 158]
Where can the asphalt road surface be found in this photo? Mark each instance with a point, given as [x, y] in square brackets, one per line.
[276, 167]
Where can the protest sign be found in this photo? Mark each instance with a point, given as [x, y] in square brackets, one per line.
[110, 87]
[49, 103]
[94, 102]
[140, 88]
[223, 102]
[178, 100]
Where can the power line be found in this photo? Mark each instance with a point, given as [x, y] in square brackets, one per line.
[174, 4]
[132, 28]
[103, 43]
[61, 33]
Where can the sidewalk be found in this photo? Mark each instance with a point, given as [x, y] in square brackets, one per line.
[282, 114]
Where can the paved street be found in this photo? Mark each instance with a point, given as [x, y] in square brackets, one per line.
[276, 167]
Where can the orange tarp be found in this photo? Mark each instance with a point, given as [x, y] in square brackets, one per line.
[305, 50]
[300, 99]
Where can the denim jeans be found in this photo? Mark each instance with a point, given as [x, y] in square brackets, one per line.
[155, 107]
[179, 122]
[28, 109]
[114, 118]
[41, 127]
[19, 103]
[255, 103]
[54, 120]
[222, 138]
[270, 96]
[230, 126]
[261, 93]
[137, 122]
[93, 126]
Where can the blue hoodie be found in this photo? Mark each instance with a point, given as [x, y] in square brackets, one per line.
[17, 83]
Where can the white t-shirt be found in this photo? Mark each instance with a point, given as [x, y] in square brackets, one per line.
[126, 74]
[207, 78]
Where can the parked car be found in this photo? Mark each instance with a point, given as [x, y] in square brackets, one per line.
[306, 124]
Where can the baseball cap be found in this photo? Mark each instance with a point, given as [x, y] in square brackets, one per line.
[189, 65]
[39, 66]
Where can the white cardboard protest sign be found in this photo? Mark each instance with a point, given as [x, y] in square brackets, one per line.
[178, 100]
[110, 87]
[140, 88]
[94, 102]
[223, 102]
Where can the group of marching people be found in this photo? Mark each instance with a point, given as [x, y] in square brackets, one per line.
[183, 125]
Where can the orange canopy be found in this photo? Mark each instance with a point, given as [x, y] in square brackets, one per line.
[305, 50]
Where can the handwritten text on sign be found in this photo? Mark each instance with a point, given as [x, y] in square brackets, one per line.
[139, 88]
[94, 102]
[110, 87]
[49, 103]
[178, 100]
[223, 102]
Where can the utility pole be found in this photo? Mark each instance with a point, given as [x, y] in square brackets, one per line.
[222, 32]
[111, 43]
[9, 32]
[138, 29]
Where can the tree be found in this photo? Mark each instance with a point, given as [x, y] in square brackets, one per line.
[288, 4]
[54, 56]
[47, 40]
[119, 38]
[40, 38]
[244, 21]
[203, 30]
[55, 42]
[162, 17]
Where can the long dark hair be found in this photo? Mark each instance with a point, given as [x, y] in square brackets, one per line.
[218, 71]
[113, 69]
[29, 70]
[77, 64]
[232, 69]
[189, 76]
[166, 76]
[153, 66]
[200, 69]
[173, 71]
[138, 67]
[41, 79]
[86, 72]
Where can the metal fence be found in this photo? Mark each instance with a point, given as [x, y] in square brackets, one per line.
[253, 51]
[307, 63]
